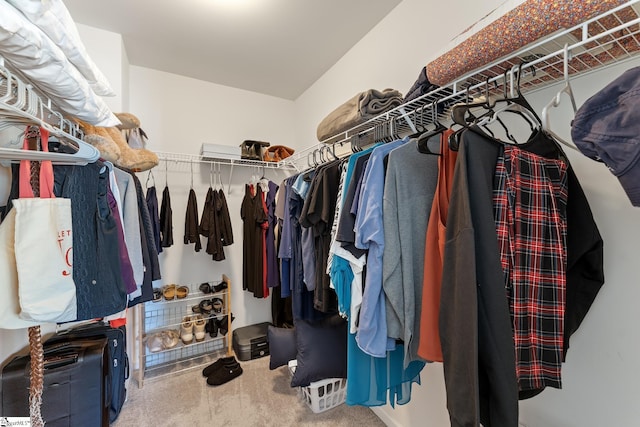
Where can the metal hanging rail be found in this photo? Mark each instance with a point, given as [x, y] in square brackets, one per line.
[611, 37]
[169, 158]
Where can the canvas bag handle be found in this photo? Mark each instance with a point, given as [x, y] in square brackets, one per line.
[46, 170]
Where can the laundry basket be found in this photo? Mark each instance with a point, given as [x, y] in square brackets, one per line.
[324, 394]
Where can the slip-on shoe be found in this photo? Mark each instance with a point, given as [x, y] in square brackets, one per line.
[217, 365]
[226, 373]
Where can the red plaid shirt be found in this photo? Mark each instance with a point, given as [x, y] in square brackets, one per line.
[530, 199]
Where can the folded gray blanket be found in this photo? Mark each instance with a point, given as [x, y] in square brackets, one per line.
[358, 109]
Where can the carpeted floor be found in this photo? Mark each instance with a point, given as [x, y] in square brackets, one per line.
[259, 397]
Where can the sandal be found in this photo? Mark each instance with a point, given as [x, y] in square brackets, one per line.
[182, 292]
[169, 292]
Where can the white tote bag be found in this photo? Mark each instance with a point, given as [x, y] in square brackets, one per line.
[40, 262]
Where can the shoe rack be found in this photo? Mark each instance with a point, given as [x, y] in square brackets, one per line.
[177, 328]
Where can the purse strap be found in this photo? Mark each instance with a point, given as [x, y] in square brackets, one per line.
[46, 170]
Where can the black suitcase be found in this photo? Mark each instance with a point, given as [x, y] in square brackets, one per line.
[119, 365]
[74, 385]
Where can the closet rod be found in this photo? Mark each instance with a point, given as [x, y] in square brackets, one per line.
[197, 158]
[168, 157]
[611, 37]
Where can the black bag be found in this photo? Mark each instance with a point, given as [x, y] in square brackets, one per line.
[118, 367]
[73, 393]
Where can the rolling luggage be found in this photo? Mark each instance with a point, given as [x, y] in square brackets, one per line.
[74, 385]
[119, 362]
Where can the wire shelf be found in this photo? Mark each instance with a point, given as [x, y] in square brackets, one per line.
[165, 315]
[611, 37]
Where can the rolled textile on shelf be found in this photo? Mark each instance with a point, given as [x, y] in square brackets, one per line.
[358, 109]
[517, 28]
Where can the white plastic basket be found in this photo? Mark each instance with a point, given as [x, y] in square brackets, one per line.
[324, 394]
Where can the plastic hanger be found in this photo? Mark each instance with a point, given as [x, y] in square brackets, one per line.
[555, 101]
[13, 112]
[423, 139]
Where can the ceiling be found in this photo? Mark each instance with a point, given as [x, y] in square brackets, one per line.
[275, 47]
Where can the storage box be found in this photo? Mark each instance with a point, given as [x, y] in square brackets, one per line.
[324, 394]
[250, 342]
[219, 151]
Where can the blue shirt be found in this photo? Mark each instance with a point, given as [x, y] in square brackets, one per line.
[372, 327]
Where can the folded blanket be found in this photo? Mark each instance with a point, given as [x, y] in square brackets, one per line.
[358, 109]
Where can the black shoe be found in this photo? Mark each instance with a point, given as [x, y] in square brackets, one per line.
[225, 373]
[220, 286]
[223, 324]
[218, 364]
[212, 327]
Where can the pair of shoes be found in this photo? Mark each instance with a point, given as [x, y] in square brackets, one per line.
[220, 286]
[225, 373]
[212, 327]
[192, 326]
[157, 294]
[163, 340]
[173, 291]
[217, 364]
[206, 288]
[207, 306]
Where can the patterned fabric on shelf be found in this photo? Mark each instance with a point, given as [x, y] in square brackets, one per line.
[527, 23]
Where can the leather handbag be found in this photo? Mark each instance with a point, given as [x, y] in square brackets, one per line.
[276, 153]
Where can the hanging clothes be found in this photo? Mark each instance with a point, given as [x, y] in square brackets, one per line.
[166, 219]
[317, 215]
[429, 339]
[264, 186]
[372, 331]
[209, 226]
[474, 315]
[273, 271]
[151, 200]
[95, 259]
[130, 215]
[226, 232]
[585, 257]
[405, 205]
[253, 217]
[191, 234]
[530, 199]
[149, 252]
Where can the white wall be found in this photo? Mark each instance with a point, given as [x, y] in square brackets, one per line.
[600, 376]
[107, 51]
[179, 114]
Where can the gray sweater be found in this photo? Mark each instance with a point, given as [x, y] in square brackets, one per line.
[410, 184]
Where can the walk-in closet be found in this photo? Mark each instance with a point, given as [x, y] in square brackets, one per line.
[339, 213]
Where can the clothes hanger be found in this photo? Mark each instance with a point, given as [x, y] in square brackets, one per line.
[191, 164]
[555, 101]
[12, 110]
[149, 176]
[423, 139]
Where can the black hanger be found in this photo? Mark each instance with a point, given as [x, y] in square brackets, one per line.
[423, 139]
